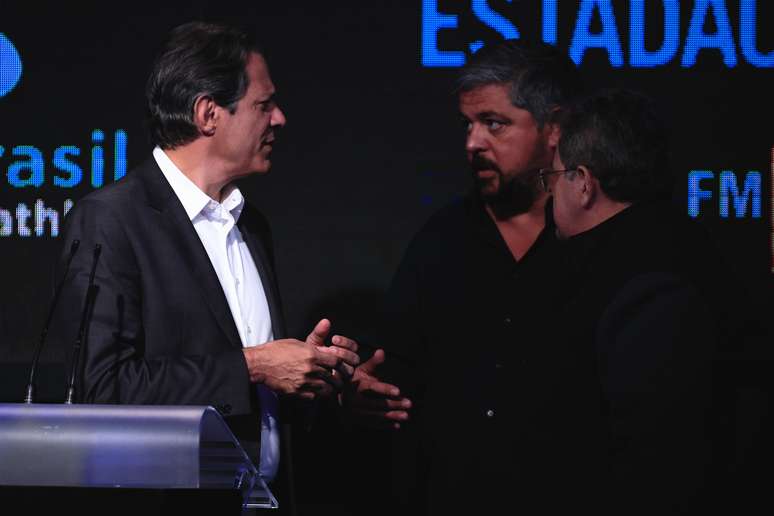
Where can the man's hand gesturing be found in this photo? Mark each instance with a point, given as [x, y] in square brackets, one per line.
[374, 402]
[303, 368]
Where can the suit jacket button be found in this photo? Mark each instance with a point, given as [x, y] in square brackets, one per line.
[490, 413]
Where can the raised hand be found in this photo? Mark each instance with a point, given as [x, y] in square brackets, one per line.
[343, 348]
[372, 401]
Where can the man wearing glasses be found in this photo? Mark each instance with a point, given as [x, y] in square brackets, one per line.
[462, 325]
[645, 298]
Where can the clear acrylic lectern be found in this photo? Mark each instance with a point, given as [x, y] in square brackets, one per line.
[140, 447]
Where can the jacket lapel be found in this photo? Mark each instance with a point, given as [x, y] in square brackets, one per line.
[183, 236]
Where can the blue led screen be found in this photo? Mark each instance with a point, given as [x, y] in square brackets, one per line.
[373, 144]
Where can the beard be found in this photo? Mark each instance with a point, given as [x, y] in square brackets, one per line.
[514, 195]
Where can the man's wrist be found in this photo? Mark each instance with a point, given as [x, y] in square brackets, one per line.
[254, 362]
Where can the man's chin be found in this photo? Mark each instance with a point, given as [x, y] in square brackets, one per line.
[509, 199]
[487, 186]
[487, 192]
[262, 167]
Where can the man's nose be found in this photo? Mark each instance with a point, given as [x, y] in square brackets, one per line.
[475, 140]
[278, 118]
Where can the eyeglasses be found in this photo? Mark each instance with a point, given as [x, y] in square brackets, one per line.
[543, 174]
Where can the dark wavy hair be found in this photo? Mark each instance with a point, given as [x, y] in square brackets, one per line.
[541, 77]
[620, 136]
[199, 59]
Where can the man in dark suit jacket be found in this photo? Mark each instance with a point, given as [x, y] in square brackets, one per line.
[187, 309]
[646, 309]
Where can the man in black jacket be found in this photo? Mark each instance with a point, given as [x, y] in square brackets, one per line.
[646, 303]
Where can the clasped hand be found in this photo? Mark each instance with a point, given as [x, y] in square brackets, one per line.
[307, 369]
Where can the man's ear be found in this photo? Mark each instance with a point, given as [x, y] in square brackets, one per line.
[587, 186]
[553, 133]
[205, 114]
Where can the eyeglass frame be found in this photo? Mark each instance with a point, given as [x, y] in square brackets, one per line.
[543, 172]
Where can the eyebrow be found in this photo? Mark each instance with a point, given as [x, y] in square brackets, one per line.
[491, 114]
[268, 99]
[484, 115]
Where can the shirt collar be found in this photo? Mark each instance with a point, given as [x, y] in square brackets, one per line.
[487, 229]
[195, 201]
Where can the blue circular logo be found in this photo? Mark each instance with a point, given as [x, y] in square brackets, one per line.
[10, 65]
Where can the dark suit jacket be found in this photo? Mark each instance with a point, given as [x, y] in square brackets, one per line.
[648, 303]
[161, 331]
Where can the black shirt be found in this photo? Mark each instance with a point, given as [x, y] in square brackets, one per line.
[579, 377]
[464, 320]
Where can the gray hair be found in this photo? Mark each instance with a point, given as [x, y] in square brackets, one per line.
[541, 78]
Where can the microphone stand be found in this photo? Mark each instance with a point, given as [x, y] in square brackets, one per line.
[91, 293]
[29, 397]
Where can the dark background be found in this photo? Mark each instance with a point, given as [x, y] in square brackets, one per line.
[372, 147]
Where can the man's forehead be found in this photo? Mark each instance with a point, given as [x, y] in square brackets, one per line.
[258, 73]
[257, 59]
[489, 99]
[496, 92]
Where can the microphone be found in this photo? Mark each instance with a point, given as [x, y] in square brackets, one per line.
[85, 317]
[29, 397]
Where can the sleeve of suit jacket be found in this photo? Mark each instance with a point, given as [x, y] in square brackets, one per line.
[123, 360]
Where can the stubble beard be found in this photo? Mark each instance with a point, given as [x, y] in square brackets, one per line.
[514, 195]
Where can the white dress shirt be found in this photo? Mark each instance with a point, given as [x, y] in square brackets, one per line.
[215, 223]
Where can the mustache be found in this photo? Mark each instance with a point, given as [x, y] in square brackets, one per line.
[528, 177]
[479, 162]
